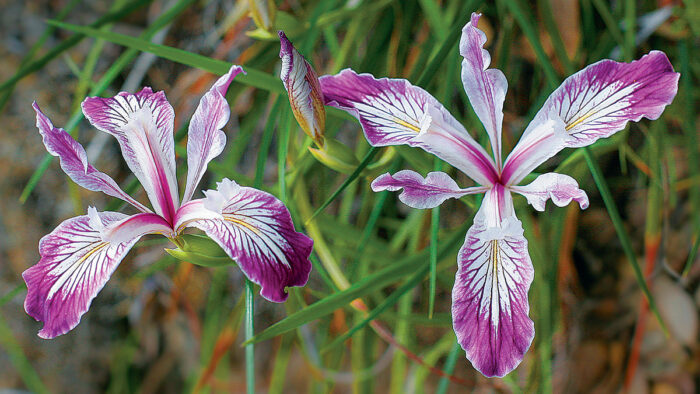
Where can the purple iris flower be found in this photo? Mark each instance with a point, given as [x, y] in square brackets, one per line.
[489, 299]
[254, 228]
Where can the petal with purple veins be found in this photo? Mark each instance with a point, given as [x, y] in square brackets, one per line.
[394, 112]
[486, 88]
[255, 229]
[489, 299]
[75, 264]
[560, 188]
[305, 96]
[205, 139]
[597, 102]
[74, 161]
[143, 125]
[422, 193]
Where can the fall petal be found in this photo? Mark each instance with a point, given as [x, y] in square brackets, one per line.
[489, 299]
[205, 139]
[75, 264]
[419, 192]
[486, 88]
[74, 161]
[560, 188]
[143, 125]
[394, 112]
[256, 230]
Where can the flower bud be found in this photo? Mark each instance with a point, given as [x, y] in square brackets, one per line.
[304, 90]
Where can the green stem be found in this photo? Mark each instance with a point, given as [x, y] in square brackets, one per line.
[249, 333]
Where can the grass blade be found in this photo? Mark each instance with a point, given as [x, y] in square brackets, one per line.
[249, 333]
[368, 284]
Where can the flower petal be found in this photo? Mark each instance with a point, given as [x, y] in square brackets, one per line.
[394, 112]
[486, 89]
[562, 189]
[205, 140]
[255, 230]
[489, 299]
[74, 161]
[143, 125]
[599, 100]
[422, 193]
[305, 96]
[75, 264]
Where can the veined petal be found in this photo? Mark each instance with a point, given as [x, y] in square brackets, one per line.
[562, 189]
[74, 161]
[75, 264]
[489, 299]
[422, 193]
[256, 231]
[305, 96]
[486, 89]
[143, 125]
[599, 100]
[394, 112]
[136, 226]
[205, 139]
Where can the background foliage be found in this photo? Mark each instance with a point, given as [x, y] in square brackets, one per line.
[375, 314]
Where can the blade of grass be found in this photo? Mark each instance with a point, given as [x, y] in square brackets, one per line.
[434, 227]
[411, 283]
[253, 77]
[12, 293]
[266, 141]
[35, 47]
[449, 367]
[70, 42]
[103, 83]
[249, 333]
[366, 285]
[18, 358]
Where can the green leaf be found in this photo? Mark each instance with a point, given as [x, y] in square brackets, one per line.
[252, 77]
[388, 275]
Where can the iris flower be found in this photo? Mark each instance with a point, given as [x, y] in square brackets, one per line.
[253, 227]
[489, 299]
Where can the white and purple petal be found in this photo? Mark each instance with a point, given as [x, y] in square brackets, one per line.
[305, 96]
[422, 193]
[143, 125]
[599, 101]
[560, 188]
[255, 229]
[394, 112]
[489, 299]
[486, 88]
[205, 139]
[74, 161]
[75, 264]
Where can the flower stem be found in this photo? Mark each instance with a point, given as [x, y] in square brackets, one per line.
[249, 332]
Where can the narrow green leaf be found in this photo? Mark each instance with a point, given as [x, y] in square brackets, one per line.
[449, 368]
[365, 161]
[12, 294]
[19, 360]
[70, 42]
[434, 227]
[249, 332]
[387, 303]
[368, 284]
[252, 77]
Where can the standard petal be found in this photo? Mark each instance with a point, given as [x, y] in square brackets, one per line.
[486, 89]
[599, 100]
[75, 264]
[394, 112]
[422, 193]
[74, 161]
[143, 125]
[256, 230]
[489, 299]
[562, 189]
[205, 140]
[305, 97]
